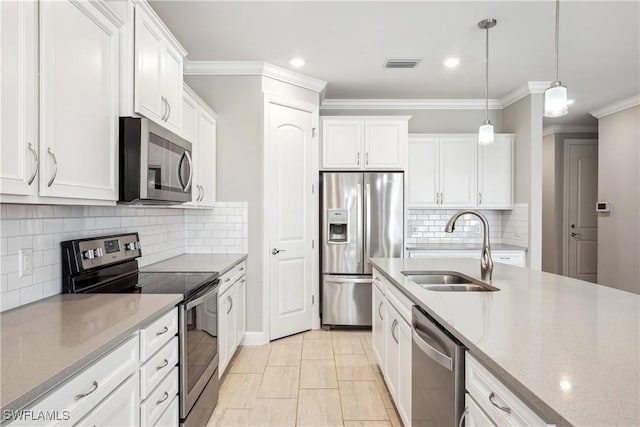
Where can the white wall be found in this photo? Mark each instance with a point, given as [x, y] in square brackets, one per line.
[618, 182]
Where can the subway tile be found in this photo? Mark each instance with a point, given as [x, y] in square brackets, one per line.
[31, 293]
[10, 227]
[14, 281]
[10, 300]
[15, 244]
[10, 263]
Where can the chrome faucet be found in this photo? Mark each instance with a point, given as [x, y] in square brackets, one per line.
[486, 263]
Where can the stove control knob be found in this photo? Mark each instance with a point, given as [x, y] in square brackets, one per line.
[88, 254]
[131, 246]
[98, 252]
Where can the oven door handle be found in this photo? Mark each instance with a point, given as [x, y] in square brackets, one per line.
[189, 305]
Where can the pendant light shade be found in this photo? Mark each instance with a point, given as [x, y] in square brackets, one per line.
[555, 97]
[485, 133]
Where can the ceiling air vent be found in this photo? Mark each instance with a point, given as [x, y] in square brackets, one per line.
[402, 62]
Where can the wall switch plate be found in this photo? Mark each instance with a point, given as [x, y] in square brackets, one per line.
[26, 262]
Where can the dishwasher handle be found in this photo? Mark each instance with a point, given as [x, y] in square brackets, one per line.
[435, 354]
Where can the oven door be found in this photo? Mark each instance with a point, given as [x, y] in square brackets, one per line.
[198, 346]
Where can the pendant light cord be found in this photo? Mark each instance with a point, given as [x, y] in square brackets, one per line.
[486, 92]
[557, 35]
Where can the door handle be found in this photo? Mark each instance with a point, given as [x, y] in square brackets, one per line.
[394, 324]
[35, 170]
[55, 167]
[492, 397]
[358, 158]
[380, 311]
[169, 112]
[165, 108]
[575, 234]
[275, 251]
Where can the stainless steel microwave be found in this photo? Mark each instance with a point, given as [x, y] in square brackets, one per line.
[155, 164]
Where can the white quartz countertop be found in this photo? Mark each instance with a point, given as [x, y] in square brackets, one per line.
[196, 263]
[570, 349]
[45, 342]
[461, 247]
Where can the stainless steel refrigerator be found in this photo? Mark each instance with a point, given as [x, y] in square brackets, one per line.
[361, 218]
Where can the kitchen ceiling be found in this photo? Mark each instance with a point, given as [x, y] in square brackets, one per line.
[346, 43]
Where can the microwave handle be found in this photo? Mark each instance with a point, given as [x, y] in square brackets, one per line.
[180, 171]
[187, 187]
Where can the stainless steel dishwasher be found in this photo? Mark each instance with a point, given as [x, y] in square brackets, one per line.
[437, 385]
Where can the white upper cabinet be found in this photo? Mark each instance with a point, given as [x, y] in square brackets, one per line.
[79, 76]
[458, 171]
[158, 70]
[423, 182]
[189, 115]
[364, 142]
[495, 173]
[19, 102]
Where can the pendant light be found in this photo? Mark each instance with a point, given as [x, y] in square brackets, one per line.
[485, 133]
[555, 97]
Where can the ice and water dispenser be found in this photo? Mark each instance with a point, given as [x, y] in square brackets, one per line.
[338, 225]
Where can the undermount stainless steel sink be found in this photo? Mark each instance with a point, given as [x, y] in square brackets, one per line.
[448, 282]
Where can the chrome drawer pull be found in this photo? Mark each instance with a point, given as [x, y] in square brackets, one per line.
[80, 396]
[55, 167]
[164, 397]
[164, 364]
[35, 170]
[380, 311]
[163, 331]
[227, 279]
[394, 324]
[506, 409]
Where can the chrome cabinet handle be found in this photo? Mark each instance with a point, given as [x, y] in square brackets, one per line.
[163, 365]
[164, 397]
[380, 311]
[201, 189]
[394, 325]
[358, 158]
[464, 415]
[162, 332]
[230, 304]
[479, 199]
[366, 158]
[169, 112]
[506, 409]
[55, 167]
[164, 108]
[241, 269]
[275, 251]
[441, 197]
[35, 170]
[94, 388]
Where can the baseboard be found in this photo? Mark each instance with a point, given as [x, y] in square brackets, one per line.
[254, 338]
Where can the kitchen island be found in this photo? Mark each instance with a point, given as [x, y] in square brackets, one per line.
[570, 349]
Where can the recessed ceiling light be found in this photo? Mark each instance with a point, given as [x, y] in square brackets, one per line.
[296, 62]
[451, 62]
[571, 101]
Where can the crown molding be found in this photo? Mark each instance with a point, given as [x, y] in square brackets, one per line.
[254, 68]
[522, 91]
[616, 107]
[108, 12]
[409, 104]
[550, 130]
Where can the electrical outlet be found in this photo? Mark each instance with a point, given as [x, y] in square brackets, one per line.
[26, 262]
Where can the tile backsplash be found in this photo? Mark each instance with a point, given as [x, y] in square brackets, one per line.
[515, 225]
[164, 233]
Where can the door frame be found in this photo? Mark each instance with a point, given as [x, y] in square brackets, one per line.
[269, 99]
[568, 142]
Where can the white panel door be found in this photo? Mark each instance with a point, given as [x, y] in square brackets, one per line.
[290, 219]
[583, 221]
[206, 160]
[171, 86]
[18, 97]
[149, 44]
[378, 326]
[120, 408]
[495, 174]
[385, 144]
[342, 144]
[458, 171]
[79, 96]
[423, 180]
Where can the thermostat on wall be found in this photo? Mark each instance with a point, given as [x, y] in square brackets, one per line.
[602, 207]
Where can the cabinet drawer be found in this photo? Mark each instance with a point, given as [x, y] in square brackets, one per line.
[241, 269]
[500, 404]
[170, 417]
[399, 301]
[512, 258]
[226, 280]
[157, 334]
[155, 369]
[84, 391]
[120, 408]
[159, 399]
[378, 280]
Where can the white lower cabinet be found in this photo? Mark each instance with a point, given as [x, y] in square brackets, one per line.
[475, 415]
[232, 321]
[391, 337]
[120, 408]
[171, 416]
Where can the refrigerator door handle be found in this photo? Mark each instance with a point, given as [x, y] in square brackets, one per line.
[343, 279]
[367, 224]
[359, 222]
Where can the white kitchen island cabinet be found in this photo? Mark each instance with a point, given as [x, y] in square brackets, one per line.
[357, 142]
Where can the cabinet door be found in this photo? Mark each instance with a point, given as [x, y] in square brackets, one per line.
[189, 119]
[495, 174]
[423, 180]
[403, 401]
[242, 309]
[79, 78]
[120, 408]
[392, 357]
[385, 144]
[226, 327]
[206, 160]
[342, 144]
[18, 97]
[149, 44]
[171, 86]
[378, 329]
[458, 171]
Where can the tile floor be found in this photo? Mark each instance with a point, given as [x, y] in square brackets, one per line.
[316, 378]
